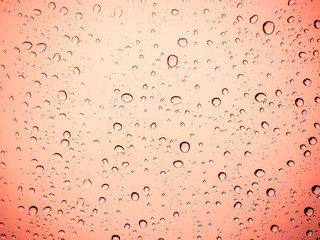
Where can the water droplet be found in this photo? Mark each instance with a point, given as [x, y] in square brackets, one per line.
[237, 205]
[172, 61]
[52, 6]
[184, 147]
[176, 100]
[308, 211]
[33, 210]
[222, 176]
[307, 82]
[299, 102]
[315, 189]
[259, 173]
[115, 237]
[312, 141]
[260, 97]
[105, 186]
[65, 143]
[62, 95]
[41, 47]
[27, 45]
[87, 183]
[126, 97]
[117, 12]
[134, 196]
[175, 12]
[143, 223]
[270, 192]
[64, 11]
[317, 24]
[254, 19]
[216, 102]
[117, 126]
[119, 149]
[182, 42]
[96, 8]
[268, 27]
[290, 163]
[274, 228]
[178, 164]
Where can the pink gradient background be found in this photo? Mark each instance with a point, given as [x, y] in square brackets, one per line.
[96, 51]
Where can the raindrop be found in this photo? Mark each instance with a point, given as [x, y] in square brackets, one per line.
[117, 126]
[182, 42]
[216, 102]
[176, 100]
[134, 196]
[142, 223]
[260, 97]
[87, 183]
[115, 237]
[237, 205]
[41, 47]
[178, 164]
[62, 95]
[175, 12]
[268, 27]
[222, 176]
[315, 189]
[126, 97]
[117, 12]
[270, 192]
[274, 228]
[172, 61]
[290, 163]
[96, 8]
[312, 141]
[119, 149]
[259, 173]
[27, 45]
[317, 24]
[299, 102]
[33, 210]
[184, 147]
[308, 211]
[254, 19]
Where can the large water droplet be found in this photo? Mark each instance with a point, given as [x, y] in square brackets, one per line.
[143, 223]
[259, 173]
[172, 60]
[184, 147]
[62, 95]
[178, 164]
[260, 97]
[299, 102]
[268, 27]
[308, 211]
[126, 97]
[315, 189]
[176, 100]
[216, 102]
[135, 196]
[33, 210]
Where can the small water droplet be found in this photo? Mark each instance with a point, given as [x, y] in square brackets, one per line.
[119, 149]
[317, 24]
[222, 176]
[117, 126]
